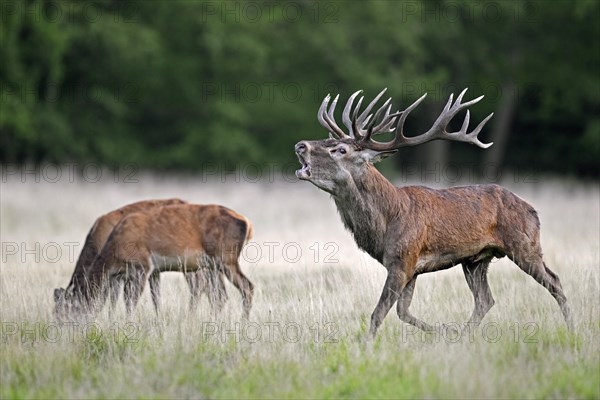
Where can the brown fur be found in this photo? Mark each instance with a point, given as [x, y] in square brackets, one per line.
[415, 229]
[184, 238]
[198, 282]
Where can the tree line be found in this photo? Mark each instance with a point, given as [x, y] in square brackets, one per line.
[179, 84]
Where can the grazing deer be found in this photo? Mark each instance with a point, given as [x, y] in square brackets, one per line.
[185, 238]
[199, 282]
[413, 230]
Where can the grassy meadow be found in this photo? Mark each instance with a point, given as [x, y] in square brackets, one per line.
[314, 295]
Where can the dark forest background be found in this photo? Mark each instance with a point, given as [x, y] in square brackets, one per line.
[174, 85]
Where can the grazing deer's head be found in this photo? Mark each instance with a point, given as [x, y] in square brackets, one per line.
[331, 163]
[60, 301]
[66, 304]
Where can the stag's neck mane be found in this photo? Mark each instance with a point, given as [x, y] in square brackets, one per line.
[367, 203]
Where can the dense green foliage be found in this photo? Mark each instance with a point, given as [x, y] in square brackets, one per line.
[182, 83]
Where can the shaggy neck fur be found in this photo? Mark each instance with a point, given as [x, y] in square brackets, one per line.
[367, 203]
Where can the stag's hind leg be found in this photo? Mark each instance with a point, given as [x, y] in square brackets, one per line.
[404, 303]
[476, 277]
[536, 267]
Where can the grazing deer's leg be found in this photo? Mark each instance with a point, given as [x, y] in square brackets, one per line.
[195, 283]
[222, 292]
[134, 286]
[394, 285]
[102, 291]
[243, 284]
[404, 303]
[116, 284]
[154, 282]
[548, 279]
[217, 295]
[476, 277]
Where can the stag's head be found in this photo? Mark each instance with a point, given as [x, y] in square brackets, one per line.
[331, 163]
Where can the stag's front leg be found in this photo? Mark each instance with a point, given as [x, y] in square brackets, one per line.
[394, 285]
[403, 305]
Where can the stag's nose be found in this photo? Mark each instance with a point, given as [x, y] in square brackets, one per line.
[301, 147]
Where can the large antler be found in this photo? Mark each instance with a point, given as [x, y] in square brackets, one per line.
[364, 126]
[360, 127]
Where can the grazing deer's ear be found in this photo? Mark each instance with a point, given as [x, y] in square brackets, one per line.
[59, 293]
[373, 156]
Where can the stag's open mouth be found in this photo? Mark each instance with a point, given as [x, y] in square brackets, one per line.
[304, 172]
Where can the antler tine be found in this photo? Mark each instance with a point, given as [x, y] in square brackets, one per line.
[460, 96]
[400, 138]
[463, 136]
[355, 131]
[389, 126]
[476, 131]
[321, 111]
[331, 118]
[458, 106]
[367, 110]
[366, 123]
[380, 110]
[346, 119]
[371, 129]
[326, 119]
[331, 110]
[386, 122]
[362, 127]
[438, 130]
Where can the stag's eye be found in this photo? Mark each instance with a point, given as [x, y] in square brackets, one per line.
[342, 150]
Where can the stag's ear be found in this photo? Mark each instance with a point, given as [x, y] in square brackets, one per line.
[373, 156]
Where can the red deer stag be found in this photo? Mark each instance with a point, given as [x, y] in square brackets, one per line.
[412, 230]
[199, 282]
[184, 238]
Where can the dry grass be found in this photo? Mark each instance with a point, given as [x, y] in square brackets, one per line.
[312, 316]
